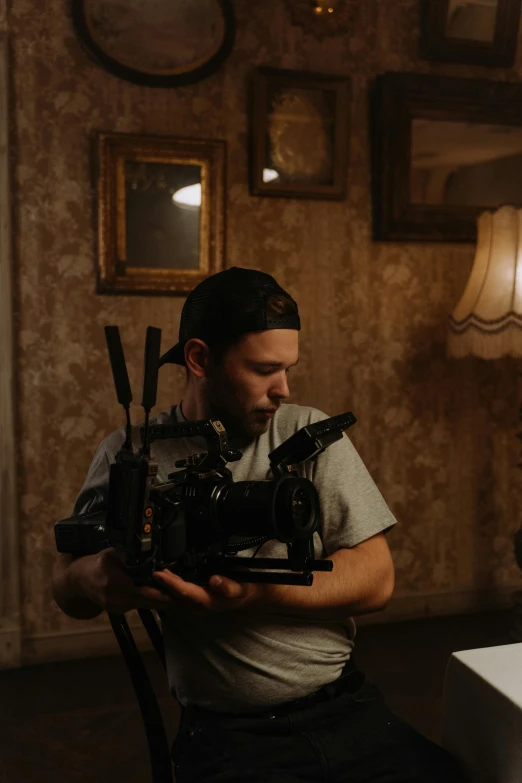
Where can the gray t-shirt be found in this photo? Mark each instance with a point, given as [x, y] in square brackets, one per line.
[218, 662]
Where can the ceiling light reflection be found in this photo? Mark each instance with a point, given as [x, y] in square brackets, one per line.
[269, 175]
[189, 196]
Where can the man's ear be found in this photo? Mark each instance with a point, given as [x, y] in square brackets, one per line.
[196, 357]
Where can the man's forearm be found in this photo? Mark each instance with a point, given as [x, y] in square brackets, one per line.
[357, 585]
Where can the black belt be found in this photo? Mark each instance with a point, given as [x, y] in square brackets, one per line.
[350, 681]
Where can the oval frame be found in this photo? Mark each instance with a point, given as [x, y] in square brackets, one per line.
[155, 80]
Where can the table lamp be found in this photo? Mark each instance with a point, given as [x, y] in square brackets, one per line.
[487, 321]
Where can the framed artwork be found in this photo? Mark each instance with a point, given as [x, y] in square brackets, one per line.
[483, 32]
[161, 213]
[444, 150]
[160, 43]
[299, 134]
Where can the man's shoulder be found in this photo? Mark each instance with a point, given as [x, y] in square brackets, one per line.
[293, 417]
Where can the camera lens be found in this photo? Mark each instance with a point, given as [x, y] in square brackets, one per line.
[302, 508]
[286, 509]
[295, 509]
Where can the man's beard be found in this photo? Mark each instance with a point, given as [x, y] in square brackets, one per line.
[224, 406]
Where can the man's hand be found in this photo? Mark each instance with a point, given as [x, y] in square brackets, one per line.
[103, 580]
[85, 587]
[221, 595]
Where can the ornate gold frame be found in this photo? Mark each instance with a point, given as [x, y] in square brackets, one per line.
[113, 149]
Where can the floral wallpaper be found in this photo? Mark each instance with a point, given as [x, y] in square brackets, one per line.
[437, 434]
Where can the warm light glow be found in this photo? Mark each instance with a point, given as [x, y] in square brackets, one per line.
[189, 196]
[487, 321]
[325, 5]
[269, 175]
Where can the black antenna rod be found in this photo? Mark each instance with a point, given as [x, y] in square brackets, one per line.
[121, 378]
[150, 381]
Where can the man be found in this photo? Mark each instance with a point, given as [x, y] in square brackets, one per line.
[264, 673]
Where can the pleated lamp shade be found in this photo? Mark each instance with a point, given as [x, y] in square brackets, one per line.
[487, 321]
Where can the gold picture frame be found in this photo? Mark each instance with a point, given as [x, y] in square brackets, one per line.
[161, 213]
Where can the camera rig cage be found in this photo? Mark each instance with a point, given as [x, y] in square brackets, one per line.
[187, 523]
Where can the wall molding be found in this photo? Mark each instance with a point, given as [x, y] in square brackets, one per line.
[419, 606]
[10, 647]
[84, 643]
[10, 623]
[87, 643]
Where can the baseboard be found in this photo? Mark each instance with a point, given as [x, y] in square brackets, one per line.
[417, 607]
[84, 643]
[10, 648]
[87, 643]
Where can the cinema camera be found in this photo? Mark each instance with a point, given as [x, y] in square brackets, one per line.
[188, 524]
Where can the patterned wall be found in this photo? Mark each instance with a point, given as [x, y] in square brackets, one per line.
[437, 434]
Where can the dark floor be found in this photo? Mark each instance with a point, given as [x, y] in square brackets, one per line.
[79, 721]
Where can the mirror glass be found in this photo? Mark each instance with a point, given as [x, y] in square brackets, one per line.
[162, 215]
[472, 20]
[157, 36]
[466, 164]
[300, 136]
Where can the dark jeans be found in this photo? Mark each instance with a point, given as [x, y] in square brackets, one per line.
[349, 737]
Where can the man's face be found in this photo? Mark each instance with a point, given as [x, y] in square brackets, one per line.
[250, 380]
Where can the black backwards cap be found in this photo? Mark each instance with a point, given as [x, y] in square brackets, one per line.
[226, 305]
